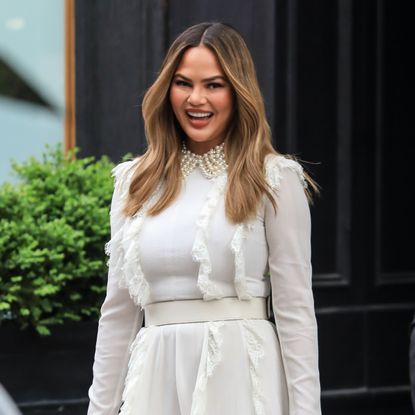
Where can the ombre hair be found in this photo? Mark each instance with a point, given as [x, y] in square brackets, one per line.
[247, 141]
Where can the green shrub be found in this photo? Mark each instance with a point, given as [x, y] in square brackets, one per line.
[53, 227]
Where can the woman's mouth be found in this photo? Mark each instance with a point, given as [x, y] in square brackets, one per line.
[199, 119]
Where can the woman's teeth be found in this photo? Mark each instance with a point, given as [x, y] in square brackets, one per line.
[199, 115]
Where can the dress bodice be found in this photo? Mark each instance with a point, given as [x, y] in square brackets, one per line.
[191, 249]
[167, 241]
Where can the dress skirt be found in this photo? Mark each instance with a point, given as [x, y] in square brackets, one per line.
[231, 367]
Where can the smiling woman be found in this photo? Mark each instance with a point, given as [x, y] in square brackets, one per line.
[203, 224]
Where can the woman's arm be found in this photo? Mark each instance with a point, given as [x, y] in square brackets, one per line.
[119, 323]
[288, 235]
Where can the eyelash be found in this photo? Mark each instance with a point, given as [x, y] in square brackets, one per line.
[211, 85]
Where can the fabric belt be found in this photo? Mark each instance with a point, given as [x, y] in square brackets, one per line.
[198, 310]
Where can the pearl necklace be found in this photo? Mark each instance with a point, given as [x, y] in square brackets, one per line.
[212, 163]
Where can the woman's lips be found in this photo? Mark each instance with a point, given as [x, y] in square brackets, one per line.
[199, 119]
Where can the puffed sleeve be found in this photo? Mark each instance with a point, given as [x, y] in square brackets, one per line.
[120, 318]
[288, 235]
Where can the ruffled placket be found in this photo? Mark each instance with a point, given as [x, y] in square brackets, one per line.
[132, 276]
[200, 252]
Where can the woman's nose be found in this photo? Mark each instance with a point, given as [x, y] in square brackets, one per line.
[197, 97]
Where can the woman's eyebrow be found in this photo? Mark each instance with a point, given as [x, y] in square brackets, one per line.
[203, 80]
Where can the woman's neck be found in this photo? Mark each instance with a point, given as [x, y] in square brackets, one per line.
[201, 147]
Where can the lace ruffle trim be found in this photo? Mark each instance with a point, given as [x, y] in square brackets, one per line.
[132, 277]
[274, 166]
[139, 349]
[240, 277]
[256, 353]
[200, 252]
[123, 248]
[207, 366]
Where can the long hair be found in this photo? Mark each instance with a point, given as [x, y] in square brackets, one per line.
[247, 141]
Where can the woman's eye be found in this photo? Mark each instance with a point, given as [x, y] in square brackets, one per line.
[180, 82]
[213, 85]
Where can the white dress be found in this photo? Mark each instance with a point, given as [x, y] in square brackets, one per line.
[191, 250]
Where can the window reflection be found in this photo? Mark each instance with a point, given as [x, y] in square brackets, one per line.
[32, 94]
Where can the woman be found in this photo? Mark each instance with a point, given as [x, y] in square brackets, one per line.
[197, 224]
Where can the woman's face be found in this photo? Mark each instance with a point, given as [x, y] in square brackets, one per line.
[202, 99]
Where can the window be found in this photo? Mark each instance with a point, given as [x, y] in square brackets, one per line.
[36, 78]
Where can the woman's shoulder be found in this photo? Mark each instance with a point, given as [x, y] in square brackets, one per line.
[123, 173]
[277, 165]
[124, 169]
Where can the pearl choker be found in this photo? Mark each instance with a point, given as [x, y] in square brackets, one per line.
[212, 163]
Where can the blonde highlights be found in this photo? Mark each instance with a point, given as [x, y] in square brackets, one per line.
[248, 138]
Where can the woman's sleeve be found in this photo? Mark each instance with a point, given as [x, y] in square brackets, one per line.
[288, 235]
[118, 325]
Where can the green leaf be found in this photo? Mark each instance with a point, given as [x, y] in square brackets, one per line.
[75, 296]
[43, 330]
[46, 289]
[4, 306]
